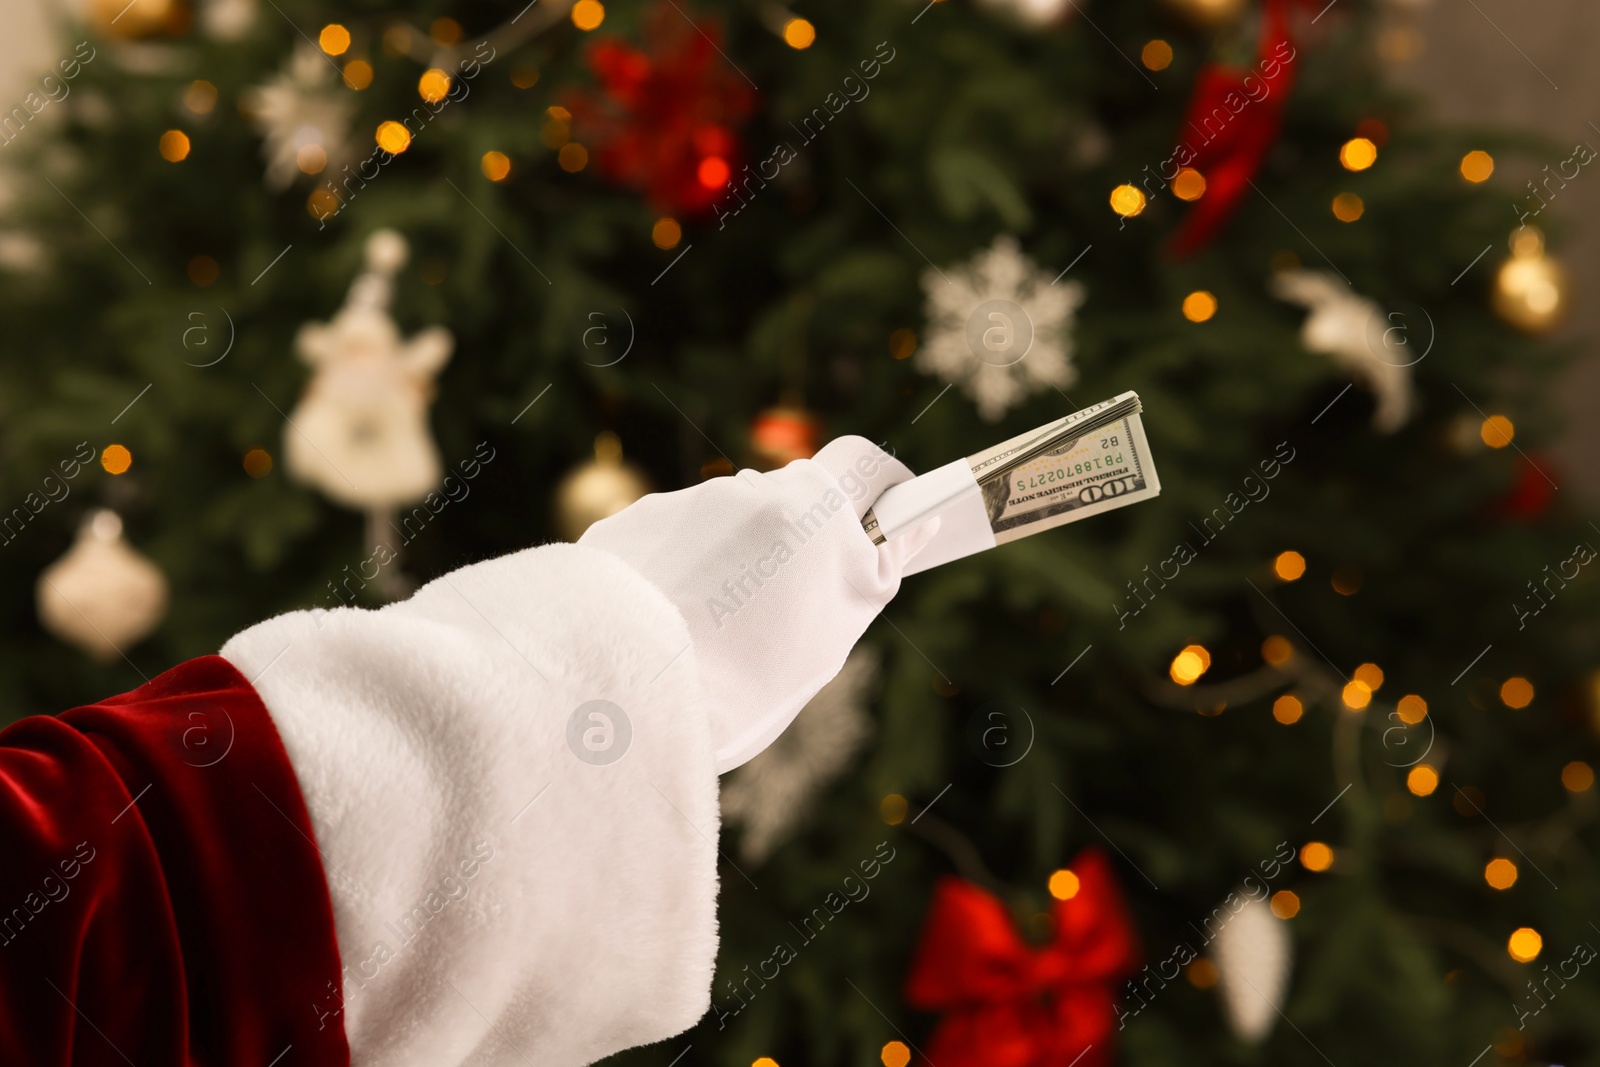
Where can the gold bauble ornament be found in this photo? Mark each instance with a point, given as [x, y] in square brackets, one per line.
[594, 490]
[103, 596]
[135, 19]
[1207, 14]
[1531, 290]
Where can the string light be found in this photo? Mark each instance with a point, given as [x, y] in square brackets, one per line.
[334, 39]
[200, 97]
[893, 809]
[573, 157]
[1190, 664]
[1577, 776]
[1199, 306]
[358, 74]
[1189, 184]
[764, 1061]
[204, 271]
[1202, 973]
[1477, 165]
[174, 146]
[496, 166]
[1356, 694]
[1348, 207]
[434, 85]
[257, 462]
[1156, 55]
[311, 159]
[1516, 692]
[392, 137]
[1524, 944]
[1497, 431]
[525, 77]
[1289, 566]
[444, 31]
[895, 1054]
[1369, 675]
[1358, 153]
[588, 14]
[116, 459]
[1287, 709]
[1064, 884]
[1316, 856]
[1500, 873]
[713, 172]
[1412, 709]
[798, 33]
[321, 203]
[1422, 780]
[1276, 650]
[1127, 200]
[666, 233]
[1285, 904]
[902, 343]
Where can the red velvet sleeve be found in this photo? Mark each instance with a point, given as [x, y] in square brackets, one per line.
[162, 900]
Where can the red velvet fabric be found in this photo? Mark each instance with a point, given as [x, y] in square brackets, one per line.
[162, 900]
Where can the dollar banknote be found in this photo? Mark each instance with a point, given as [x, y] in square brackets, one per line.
[1080, 465]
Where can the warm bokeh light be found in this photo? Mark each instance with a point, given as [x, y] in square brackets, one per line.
[1422, 780]
[1277, 650]
[1316, 856]
[321, 203]
[895, 1054]
[1369, 675]
[762, 1061]
[798, 33]
[392, 137]
[1358, 153]
[496, 166]
[434, 85]
[1516, 692]
[573, 157]
[1064, 884]
[1346, 580]
[893, 809]
[444, 31]
[358, 74]
[666, 233]
[257, 462]
[1477, 165]
[1356, 694]
[116, 459]
[1577, 776]
[1289, 565]
[204, 271]
[903, 343]
[1127, 200]
[1287, 709]
[1500, 873]
[1199, 306]
[334, 39]
[1190, 664]
[1202, 973]
[713, 172]
[1189, 184]
[1285, 904]
[1412, 709]
[1156, 55]
[1348, 207]
[174, 146]
[311, 159]
[200, 97]
[1524, 944]
[525, 77]
[588, 14]
[1497, 431]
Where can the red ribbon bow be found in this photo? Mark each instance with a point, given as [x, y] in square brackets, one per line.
[1007, 1004]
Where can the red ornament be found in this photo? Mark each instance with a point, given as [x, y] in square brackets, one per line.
[1007, 1004]
[1531, 493]
[784, 434]
[1232, 124]
[663, 119]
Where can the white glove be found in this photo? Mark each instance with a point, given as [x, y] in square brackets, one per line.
[774, 576]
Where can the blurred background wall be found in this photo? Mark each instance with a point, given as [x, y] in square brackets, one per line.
[1499, 63]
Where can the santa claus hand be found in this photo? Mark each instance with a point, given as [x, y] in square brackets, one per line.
[774, 576]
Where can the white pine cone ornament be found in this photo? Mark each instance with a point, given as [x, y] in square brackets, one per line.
[1253, 954]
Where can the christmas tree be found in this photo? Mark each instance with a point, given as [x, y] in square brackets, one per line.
[1292, 762]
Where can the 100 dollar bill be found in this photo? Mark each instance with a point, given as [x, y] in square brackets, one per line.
[1080, 465]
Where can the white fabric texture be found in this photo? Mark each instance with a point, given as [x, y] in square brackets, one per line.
[498, 900]
[775, 577]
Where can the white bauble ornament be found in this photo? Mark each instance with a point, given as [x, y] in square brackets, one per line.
[999, 328]
[101, 596]
[771, 794]
[1031, 12]
[1253, 953]
[360, 432]
[597, 489]
[1356, 333]
[228, 20]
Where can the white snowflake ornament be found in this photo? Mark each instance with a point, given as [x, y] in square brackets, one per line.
[1356, 333]
[302, 109]
[1253, 952]
[772, 793]
[360, 432]
[999, 328]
